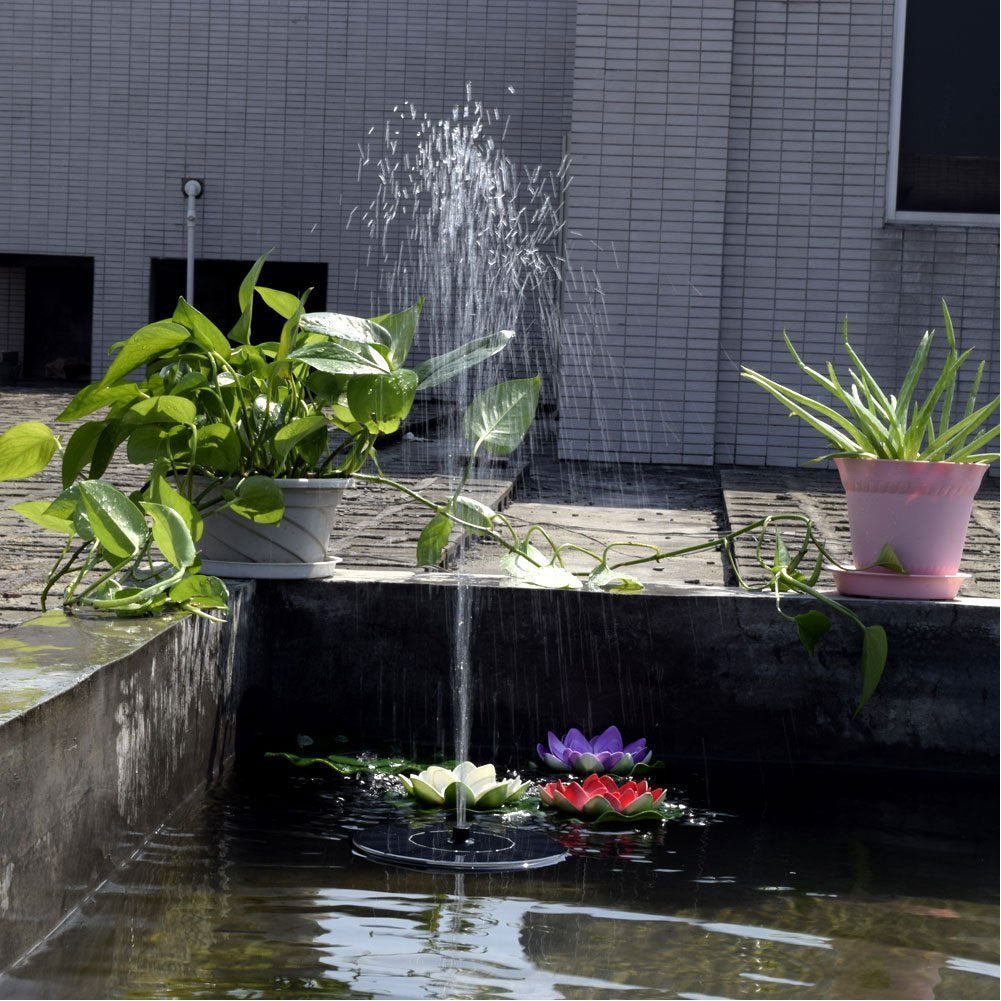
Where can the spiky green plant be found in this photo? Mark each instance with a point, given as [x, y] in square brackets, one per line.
[879, 425]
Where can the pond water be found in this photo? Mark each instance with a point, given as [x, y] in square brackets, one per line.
[802, 889]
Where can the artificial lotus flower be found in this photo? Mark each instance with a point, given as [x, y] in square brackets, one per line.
[478, 787]
[604, 753]
[600, 798]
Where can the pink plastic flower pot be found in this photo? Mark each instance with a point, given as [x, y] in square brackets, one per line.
[922, 509]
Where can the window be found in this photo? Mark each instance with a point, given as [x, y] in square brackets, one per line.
[943, 164]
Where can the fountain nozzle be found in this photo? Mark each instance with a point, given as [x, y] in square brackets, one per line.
[460, 835]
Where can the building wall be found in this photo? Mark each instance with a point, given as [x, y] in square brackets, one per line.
[708, 268]
[805, 241]
[113, 102]
[729, 170]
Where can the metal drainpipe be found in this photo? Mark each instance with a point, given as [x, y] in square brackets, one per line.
[193, 189]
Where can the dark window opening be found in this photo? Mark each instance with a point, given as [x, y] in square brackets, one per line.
[217, 284]
[46, 317]
[948, 156]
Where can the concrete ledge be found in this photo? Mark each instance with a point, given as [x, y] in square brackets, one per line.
[105, 727]
[699, 671]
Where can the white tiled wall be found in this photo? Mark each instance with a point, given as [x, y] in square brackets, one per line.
[728, 177]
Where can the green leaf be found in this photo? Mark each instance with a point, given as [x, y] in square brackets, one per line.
[162, 410]
[259, 499]
[161, 492]
[79, 450]
[781, 552]
[25, 449]
[346, 328]
[873, 661]
[380, 402]
[433, 540]
[289, 436]
[201, 591]
[38, 512]
[218, 448]
[472, 511]
[203, 330]
[171, 535]
[435, 371]
[889, 560]
[291, 327]
[241, 329]
[283, 303]
[118, 524]
[811, 626]
[603, 578]
[114, 433]
[142, 347]
[401, 328]
[341, 358]
[498, 418]
[145, 445]
[94, 397]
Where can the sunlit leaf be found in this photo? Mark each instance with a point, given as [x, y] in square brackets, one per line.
[260, 499]
[117, 523]
[434, 538]
[498, 418]
[25, 449]
[171, 535]
[441, 368]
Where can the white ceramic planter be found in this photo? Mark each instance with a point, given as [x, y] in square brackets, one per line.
[296, 547]
[921, 509]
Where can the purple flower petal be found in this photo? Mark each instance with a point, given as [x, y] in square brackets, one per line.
[556, 745]
[571, 757]
[636, 748]
[540, 750]
[609, 759]
[610, 740]
[557, 764]
[646, 757]
[576, 741]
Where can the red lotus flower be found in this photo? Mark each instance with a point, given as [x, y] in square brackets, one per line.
[600, 795]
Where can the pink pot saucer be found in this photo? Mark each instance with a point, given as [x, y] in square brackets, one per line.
[881, 584]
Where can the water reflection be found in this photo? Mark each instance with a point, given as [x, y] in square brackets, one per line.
[255, 893]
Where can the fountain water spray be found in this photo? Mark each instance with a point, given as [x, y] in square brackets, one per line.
[456, 220]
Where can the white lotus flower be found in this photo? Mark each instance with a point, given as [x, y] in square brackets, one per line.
[478, 786]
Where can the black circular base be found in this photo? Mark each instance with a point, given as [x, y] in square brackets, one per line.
[482, 850]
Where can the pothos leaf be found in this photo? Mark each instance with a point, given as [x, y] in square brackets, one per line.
[874, 650]
[811, 626]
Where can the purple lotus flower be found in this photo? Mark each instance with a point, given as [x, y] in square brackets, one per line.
[604, 753]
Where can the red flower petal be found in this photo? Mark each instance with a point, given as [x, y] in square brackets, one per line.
[573, 792]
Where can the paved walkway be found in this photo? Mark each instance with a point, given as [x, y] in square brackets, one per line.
[589, 504]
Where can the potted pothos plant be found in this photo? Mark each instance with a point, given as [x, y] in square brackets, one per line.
[910, 466]
[262, 436]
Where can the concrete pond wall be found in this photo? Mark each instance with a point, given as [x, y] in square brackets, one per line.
[107, 727]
